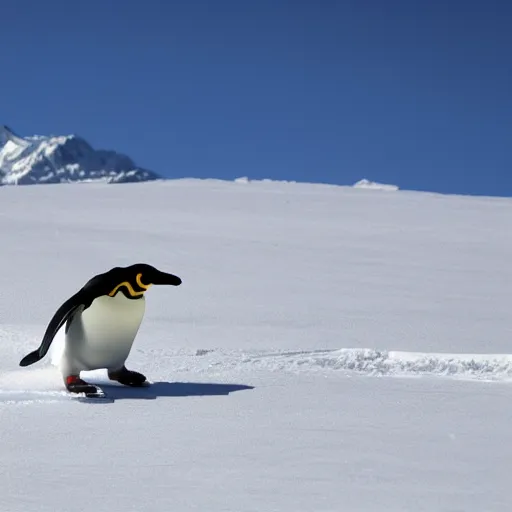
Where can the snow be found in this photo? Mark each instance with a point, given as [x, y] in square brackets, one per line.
[56, 159]
[329, 350]
[364, 183]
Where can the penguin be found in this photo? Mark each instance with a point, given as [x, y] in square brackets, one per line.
[102, 320]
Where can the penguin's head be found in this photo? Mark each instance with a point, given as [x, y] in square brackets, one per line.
[135, 280]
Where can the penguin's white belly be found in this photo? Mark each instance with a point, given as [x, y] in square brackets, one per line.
[102, 336]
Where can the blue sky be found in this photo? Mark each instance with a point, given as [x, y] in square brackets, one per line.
[414, 93]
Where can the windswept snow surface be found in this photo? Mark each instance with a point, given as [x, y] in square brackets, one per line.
[364, 183]
[329, 350]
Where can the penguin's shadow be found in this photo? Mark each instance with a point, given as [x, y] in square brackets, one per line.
[167, 389]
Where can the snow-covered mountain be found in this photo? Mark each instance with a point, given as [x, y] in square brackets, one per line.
[62, 159]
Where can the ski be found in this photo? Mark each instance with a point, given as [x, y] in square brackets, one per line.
[87, 392]
[98, 396]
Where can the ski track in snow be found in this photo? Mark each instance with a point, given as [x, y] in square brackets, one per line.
[42, 383]
[39, 385]
[347, 361]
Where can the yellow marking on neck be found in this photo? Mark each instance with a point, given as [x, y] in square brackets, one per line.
[140, 283]
[131, 291]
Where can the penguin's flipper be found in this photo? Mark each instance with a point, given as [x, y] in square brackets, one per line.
[61, 316]
[31, 358]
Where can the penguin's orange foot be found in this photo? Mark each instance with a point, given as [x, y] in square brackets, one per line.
[128, 377]
[74, 384]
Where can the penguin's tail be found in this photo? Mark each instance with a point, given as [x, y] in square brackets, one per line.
[31, 358]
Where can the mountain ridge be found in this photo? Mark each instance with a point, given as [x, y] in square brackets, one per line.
[54, 159]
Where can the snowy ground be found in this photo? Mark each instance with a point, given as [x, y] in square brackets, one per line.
[330, 350]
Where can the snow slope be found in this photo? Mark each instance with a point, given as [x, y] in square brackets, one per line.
[330, 349]
[62, 159]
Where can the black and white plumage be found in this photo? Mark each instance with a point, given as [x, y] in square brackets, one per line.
[102, 320]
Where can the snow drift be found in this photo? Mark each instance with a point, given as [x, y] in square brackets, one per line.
[364, 183]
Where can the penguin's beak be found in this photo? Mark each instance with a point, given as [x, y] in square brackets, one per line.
[165, 278]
